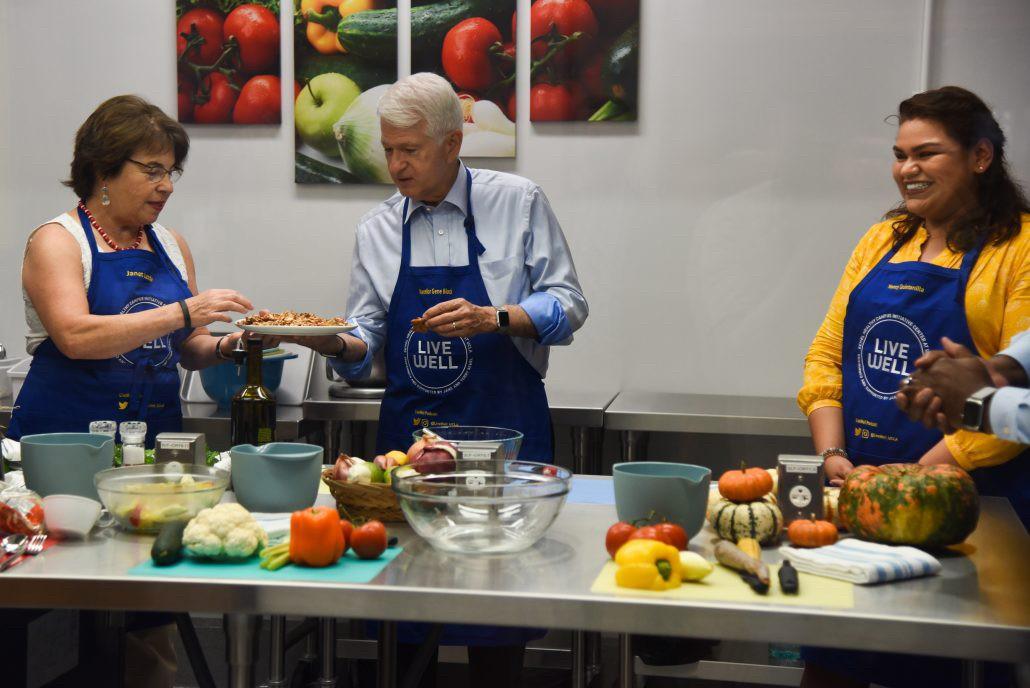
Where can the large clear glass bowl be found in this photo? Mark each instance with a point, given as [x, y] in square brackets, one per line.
[484, 507]
[143, 498]
[510, 441]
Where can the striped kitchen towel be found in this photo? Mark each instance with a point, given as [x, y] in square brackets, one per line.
[862, 562]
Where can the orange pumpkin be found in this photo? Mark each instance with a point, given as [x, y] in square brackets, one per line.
[805, 532]
[745, 485]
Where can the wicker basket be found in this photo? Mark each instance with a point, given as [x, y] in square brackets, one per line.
[358, 502]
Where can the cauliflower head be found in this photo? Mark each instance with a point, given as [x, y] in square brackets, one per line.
[225, 531]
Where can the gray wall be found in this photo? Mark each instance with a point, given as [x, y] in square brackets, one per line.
[709, 236]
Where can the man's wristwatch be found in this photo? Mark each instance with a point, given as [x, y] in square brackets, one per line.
[502, 320]
[973, 412]
[343, 349]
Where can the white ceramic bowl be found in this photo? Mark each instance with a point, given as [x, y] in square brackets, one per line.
[70, 515]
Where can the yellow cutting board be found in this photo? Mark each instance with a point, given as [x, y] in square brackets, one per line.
[724, 585]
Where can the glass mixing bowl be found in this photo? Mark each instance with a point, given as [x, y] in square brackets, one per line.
[510, 441]
[143, 498]
[484, 507]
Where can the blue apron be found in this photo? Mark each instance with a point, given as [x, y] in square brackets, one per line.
[61, 394]
[481, 380]
[897, 313]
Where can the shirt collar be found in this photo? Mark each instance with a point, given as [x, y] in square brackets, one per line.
[457, 196]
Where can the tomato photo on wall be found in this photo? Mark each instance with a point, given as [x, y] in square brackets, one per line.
[227, 57]
[585, 60]
[472, 45]
[344, 56]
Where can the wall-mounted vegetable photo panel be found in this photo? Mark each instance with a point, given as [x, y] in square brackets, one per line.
[472, 44]
[345, 55]
[585, 57]
[227, 55]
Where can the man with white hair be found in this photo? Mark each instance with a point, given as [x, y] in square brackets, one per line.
[465, 277]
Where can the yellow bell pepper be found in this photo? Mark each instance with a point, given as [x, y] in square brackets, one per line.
[648, 565]
[323, 16]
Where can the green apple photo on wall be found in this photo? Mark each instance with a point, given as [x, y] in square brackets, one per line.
[472, 45]
[227, 57]
[345, 55]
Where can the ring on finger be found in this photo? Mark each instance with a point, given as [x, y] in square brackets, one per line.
[906, 381]
[454, 325]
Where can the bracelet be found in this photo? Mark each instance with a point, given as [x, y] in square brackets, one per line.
[187, 321]
[218, 349]
[835, 451]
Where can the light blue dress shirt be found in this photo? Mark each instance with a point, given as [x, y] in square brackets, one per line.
[527, 260]
[1010, 406]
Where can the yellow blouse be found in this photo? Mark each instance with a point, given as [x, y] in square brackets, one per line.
[997, 308]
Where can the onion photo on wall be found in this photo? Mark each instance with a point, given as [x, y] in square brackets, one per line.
[345, 56]
[585, 57]
[227, 56]
[472, 45]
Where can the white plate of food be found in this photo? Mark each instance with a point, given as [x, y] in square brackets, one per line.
[292, 324]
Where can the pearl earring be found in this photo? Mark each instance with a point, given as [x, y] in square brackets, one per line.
[104, 198]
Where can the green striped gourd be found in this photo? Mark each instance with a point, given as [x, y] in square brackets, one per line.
[760, 520]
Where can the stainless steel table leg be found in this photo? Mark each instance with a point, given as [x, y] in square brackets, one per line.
[634, 445]
[626, 661]
[580, 450]
[277, 653]
[972, 673]
[579, 660]
[327, 651]
[387, 664]
[241, 643]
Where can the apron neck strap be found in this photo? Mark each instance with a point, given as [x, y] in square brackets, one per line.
[475, 247]
[87, 228]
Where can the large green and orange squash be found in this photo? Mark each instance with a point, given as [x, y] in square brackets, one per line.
[909, 504]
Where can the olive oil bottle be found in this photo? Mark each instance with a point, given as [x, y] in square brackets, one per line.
[252, 419]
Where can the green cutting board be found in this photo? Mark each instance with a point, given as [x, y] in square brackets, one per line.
[349, 569]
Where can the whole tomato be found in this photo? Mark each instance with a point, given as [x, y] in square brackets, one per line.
[259, 101]
[617, 536]
[257, 30]
[651, 533]
[554, 102]
[348, 529]
[186, 88]
[466, 53]
[369, 541]
[615, 15]
[566, 17]
[208, 24]
[218, 108]
[675, 534]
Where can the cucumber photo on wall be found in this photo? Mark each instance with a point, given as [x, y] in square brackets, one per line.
[345, 56]
[471, 43]
[227, 59]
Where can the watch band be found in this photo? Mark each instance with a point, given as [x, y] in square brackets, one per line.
[973, 409]
[343, 349]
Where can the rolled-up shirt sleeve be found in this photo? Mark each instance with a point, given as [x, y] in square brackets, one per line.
[1010, 414]
[366, 309]
[556, 305]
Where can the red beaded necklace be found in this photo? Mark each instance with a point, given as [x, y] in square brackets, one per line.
[105, 237]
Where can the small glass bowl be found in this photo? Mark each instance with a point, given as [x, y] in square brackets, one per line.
[510, 441]
[484, 507]
[143, 498]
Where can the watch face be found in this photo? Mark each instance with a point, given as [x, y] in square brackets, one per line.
[972, 414]
[502, 319]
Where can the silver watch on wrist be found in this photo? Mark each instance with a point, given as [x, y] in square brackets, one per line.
[973, 410]
[503, 322]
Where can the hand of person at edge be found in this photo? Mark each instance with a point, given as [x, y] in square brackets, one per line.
[459, 318]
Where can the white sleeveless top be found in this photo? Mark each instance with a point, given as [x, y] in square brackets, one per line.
[37, 333]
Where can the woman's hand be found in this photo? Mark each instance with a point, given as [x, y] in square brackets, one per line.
[837, 468]
[211, 305]
[459, 318]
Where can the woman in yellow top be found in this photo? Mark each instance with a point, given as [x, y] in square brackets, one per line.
[949, 261]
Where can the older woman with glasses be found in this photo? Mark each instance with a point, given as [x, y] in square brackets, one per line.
[111, 297]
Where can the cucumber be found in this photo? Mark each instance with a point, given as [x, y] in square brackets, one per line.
[372, 34]
[167, 547]
[620, 75]
[307, 170]
[362, 72]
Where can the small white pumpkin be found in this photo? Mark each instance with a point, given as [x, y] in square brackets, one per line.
[761, 520]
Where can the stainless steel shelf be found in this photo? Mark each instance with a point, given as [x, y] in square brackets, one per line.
[705, 413]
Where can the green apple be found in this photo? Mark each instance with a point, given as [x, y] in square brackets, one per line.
[322, 102]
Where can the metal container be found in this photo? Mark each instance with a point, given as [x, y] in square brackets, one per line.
[184, 447]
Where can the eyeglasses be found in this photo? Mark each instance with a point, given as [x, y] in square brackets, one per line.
[155, 173]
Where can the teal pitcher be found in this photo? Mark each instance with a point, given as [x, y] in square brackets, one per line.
[674, 492]
[65, 462]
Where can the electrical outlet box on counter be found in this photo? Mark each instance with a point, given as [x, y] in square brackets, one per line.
[184, 447]
[799, 490]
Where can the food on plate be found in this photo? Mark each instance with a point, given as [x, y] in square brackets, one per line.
[909, 504]
[745, 485]
[316, 537]
[290, 318]
[750, 547]
[760, 520]
[788, 576]
[224, 531]
[694, 567]
[731, 556]
[167, 547]
[648, 565]
[369, 540]
[805, 532]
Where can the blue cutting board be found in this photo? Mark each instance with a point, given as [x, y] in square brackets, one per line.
[349, 569]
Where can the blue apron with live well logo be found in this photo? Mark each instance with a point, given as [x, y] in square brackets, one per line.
[61, 394]
[480, 380]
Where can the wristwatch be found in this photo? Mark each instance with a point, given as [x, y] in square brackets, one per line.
[973, 411]
[502, 320]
